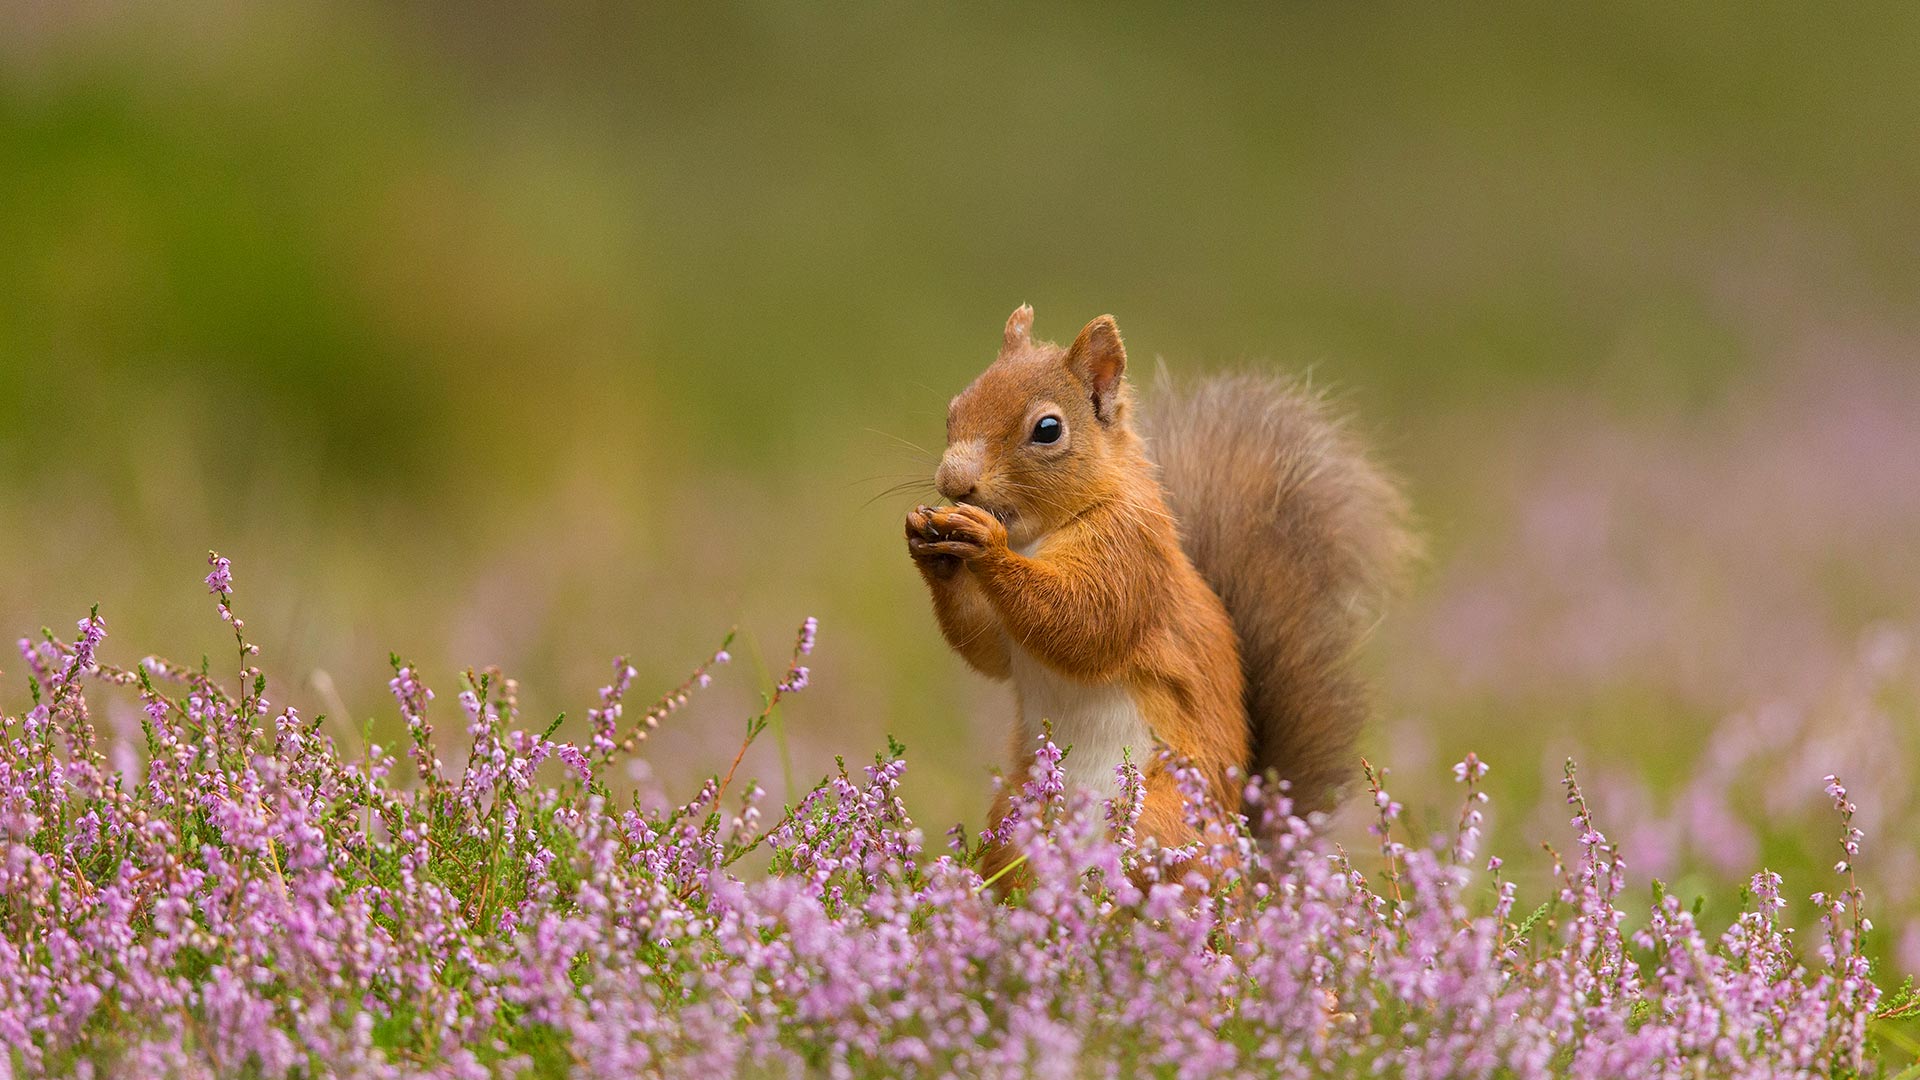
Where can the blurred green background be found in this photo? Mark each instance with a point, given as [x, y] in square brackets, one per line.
[531, 335]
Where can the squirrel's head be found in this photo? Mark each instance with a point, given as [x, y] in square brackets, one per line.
[1042, 434]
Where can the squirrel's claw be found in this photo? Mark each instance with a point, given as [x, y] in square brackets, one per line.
[920, 523]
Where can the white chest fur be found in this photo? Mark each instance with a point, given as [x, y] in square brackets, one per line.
[1100, 721]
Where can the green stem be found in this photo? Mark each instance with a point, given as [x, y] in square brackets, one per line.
[997, 875]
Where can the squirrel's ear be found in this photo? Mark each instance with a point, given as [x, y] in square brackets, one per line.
[1019, 326]
[1098, 359]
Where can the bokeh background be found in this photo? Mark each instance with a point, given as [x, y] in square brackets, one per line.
[534, 335]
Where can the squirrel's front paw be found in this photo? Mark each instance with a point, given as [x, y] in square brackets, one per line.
[923, 544]
[964, 531]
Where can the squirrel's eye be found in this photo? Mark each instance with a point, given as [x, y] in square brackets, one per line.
[1048, 430]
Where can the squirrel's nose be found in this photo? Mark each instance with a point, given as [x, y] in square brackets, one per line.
[959, 473]
[954, 489]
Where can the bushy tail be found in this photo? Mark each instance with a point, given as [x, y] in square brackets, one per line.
[1303, 538]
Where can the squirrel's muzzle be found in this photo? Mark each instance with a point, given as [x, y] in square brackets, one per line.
[959, 472]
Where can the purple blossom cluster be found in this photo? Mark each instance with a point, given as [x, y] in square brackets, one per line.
[253, 900]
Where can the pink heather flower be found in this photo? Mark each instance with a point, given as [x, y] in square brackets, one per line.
[409, 692]
[575, 759]
[605, 720]
[1471, 767]
[36, 661]
[807, 631]
[220, 581]
[93, 630]
[797, 679]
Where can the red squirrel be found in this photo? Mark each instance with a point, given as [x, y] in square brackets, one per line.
[1194, 577]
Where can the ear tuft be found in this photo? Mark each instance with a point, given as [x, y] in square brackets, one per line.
[1098, 359]
[1019, 327]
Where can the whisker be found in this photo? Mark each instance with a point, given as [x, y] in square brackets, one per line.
[924, 453]
[900, 479]
[903, 489]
